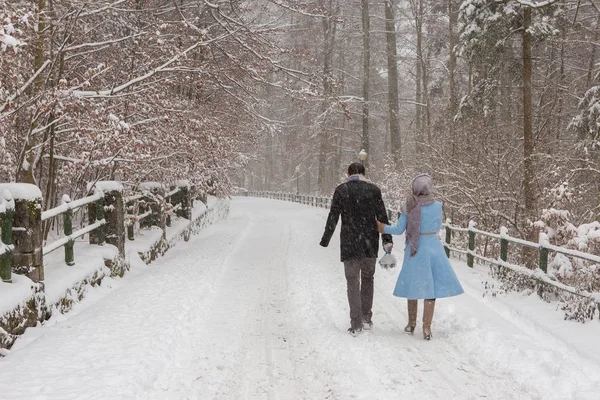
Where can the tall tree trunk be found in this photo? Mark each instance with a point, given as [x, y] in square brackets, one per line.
[339, 138]
[51, 186]
[592, 62]
[329, 25]
[366, 75]
[528, 140]
[392, 63]
[39, 45]
[419, 77]
[451, 68]
[590, 79]
[25, 168]
[559, 83]
[427, 117]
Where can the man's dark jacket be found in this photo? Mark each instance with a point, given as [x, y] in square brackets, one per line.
[360, 204]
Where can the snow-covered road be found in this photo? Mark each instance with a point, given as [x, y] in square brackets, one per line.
[253, 308]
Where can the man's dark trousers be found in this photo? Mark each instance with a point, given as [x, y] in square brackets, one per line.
[359, 280]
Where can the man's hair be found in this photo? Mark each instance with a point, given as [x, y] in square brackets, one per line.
[356, 168]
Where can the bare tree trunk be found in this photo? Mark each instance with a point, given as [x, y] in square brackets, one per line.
[366, 75]
[528, 139]
[451, 68]
[25, 168]
[51, 186]
[592, 62]
[329, 25]
[339, 138]
[392, 63]
[419, 76]
[426, 100]
[559, 84]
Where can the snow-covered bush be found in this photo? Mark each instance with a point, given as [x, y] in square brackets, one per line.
[561, 232]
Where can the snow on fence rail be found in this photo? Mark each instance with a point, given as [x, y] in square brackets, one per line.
[66, 209]
[543, 246]
[70, 205]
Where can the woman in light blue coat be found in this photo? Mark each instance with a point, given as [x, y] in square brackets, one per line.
[426, 272]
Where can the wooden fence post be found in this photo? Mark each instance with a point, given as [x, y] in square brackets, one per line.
[155, 199]
[543, 252]
[503, 243]
[96, 213]
[6, 222]
[448, 237]
[130, 232]
[27, 230]
[470, 257]
[68, 230]
[186, 199]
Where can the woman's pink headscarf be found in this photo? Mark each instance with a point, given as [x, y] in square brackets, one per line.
[422, 195]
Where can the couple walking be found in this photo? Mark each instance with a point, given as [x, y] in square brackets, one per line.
[426, 272]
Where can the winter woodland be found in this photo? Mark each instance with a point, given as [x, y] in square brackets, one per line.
[498, 100]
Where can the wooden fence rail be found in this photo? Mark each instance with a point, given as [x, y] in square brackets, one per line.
[66, 210]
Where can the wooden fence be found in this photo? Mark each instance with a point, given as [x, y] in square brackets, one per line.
[108, 217]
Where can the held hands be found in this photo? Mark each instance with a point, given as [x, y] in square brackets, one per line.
[380, 226]
[387, 247]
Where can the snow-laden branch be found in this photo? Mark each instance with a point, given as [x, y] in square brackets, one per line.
[99, 10]
[80, 46]
[211, 5]
[22, 89]
[43, 128]
[296, 10]
[63, 158]
[534, 4]
[147, 121]
[162, 68]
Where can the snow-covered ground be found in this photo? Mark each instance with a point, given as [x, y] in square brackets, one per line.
[253, 308]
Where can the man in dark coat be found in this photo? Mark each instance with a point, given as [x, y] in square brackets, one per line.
[360, 204]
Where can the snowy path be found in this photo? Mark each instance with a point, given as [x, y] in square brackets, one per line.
[254, 309]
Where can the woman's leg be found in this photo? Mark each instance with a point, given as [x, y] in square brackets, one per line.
[428, 310]
[412, 316]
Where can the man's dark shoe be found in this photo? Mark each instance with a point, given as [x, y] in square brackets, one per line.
[354, 331]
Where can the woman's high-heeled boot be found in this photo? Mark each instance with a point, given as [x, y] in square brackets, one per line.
[428, 310]
[412, 316]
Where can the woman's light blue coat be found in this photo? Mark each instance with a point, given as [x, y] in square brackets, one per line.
[428, 274]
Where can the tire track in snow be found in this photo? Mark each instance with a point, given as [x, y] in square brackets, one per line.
[243, 352]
